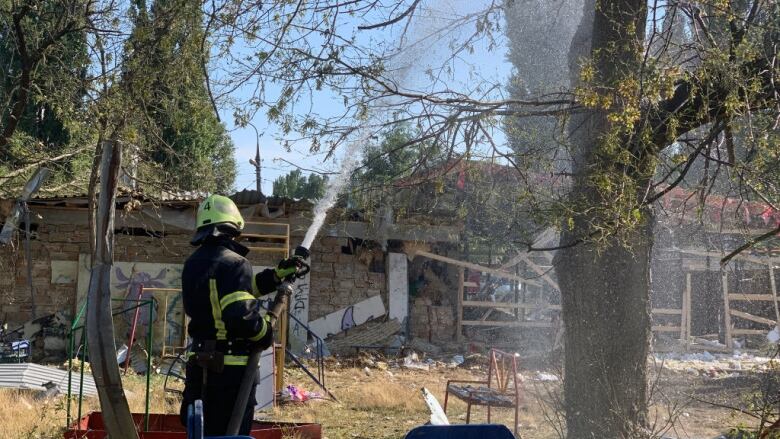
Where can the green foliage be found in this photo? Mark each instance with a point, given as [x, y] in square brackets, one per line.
[53, 120]
[181, 141]
[295, 185]
[390, 170]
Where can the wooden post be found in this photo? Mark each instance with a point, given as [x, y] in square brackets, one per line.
[280, 353]
[118, 422]
[774, 292]
[459, 313]
[726, 309]
[686, 311]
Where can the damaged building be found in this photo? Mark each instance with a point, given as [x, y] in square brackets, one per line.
[359, 270]
[411, 271]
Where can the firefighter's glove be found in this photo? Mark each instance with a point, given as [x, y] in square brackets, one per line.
[288, 267]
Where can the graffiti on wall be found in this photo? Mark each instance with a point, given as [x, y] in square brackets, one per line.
[348, 317]
[167, 311]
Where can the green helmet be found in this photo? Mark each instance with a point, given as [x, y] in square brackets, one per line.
[219, 209]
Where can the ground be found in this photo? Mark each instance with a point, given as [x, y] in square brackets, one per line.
[382, 400]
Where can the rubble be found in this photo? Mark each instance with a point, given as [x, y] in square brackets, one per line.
[421, 345]
[706, 364]
[368, 335]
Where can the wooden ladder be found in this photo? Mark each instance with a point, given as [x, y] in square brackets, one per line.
[273, 238]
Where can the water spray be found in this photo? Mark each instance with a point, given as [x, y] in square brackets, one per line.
[335, 185]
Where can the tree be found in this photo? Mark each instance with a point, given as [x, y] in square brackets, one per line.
[622, 111]
[43, 83]
[628, 120]
[295, 185]
[180, 138]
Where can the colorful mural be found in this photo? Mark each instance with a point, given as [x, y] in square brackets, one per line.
[167, 314]
[126, 281]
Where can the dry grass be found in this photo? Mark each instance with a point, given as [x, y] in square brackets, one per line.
[380, 405]
[23, 416]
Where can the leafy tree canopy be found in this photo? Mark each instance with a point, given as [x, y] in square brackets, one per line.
[296, 185]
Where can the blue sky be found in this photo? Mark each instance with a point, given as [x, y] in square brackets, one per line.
[490, 64]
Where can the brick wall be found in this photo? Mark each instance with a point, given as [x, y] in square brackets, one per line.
[64, 242]
[337, 280]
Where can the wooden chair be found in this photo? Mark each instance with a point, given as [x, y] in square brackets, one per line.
[500, 389]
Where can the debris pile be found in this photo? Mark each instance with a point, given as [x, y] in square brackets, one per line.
[706, 364]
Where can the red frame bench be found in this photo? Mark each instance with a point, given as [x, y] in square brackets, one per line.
[500, 389]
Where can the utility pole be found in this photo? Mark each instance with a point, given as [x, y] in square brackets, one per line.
[256, 161]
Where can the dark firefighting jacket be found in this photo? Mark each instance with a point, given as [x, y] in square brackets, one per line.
[219, 296]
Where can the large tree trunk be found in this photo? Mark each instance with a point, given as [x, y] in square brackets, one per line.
[605, 286]
[605, 297]
[100, 326]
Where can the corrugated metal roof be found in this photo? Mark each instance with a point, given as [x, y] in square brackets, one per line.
[32, 376]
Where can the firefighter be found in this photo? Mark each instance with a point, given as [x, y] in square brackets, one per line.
[219, 296]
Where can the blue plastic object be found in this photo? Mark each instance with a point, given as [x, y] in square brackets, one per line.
[195, 420]
[195, 423]
[462, 431]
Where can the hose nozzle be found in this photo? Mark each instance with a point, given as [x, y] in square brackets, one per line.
[302, 251]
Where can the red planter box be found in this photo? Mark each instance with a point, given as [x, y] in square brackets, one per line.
[91, 426]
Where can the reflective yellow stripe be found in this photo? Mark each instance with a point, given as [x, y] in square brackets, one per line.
[216, 311]
[262, 331]
[234, 297]
[229, 360]
[236, 360]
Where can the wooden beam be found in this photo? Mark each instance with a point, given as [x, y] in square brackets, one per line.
[753, 318]
[752, 259]
[481, 304]
[526, 324]
[726, 314]
[774, 291]
[686, 323]
[666, 328]
[459, 313]
[752, 297]
[475, 267]
[667, 311]
[749, 331]
[541, 272]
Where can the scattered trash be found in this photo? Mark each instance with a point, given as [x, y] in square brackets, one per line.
[423, 346]
[774, 335]
[293, 393]
[138, 359]
[15, 351]
[544, 376]
[412, 361]
[457, 360]
[437, 414]
[170, 366]
[367, 371]
[121, 354]
[706, 364]
[51, 390]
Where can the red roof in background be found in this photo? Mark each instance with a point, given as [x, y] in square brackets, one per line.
[717, 208]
